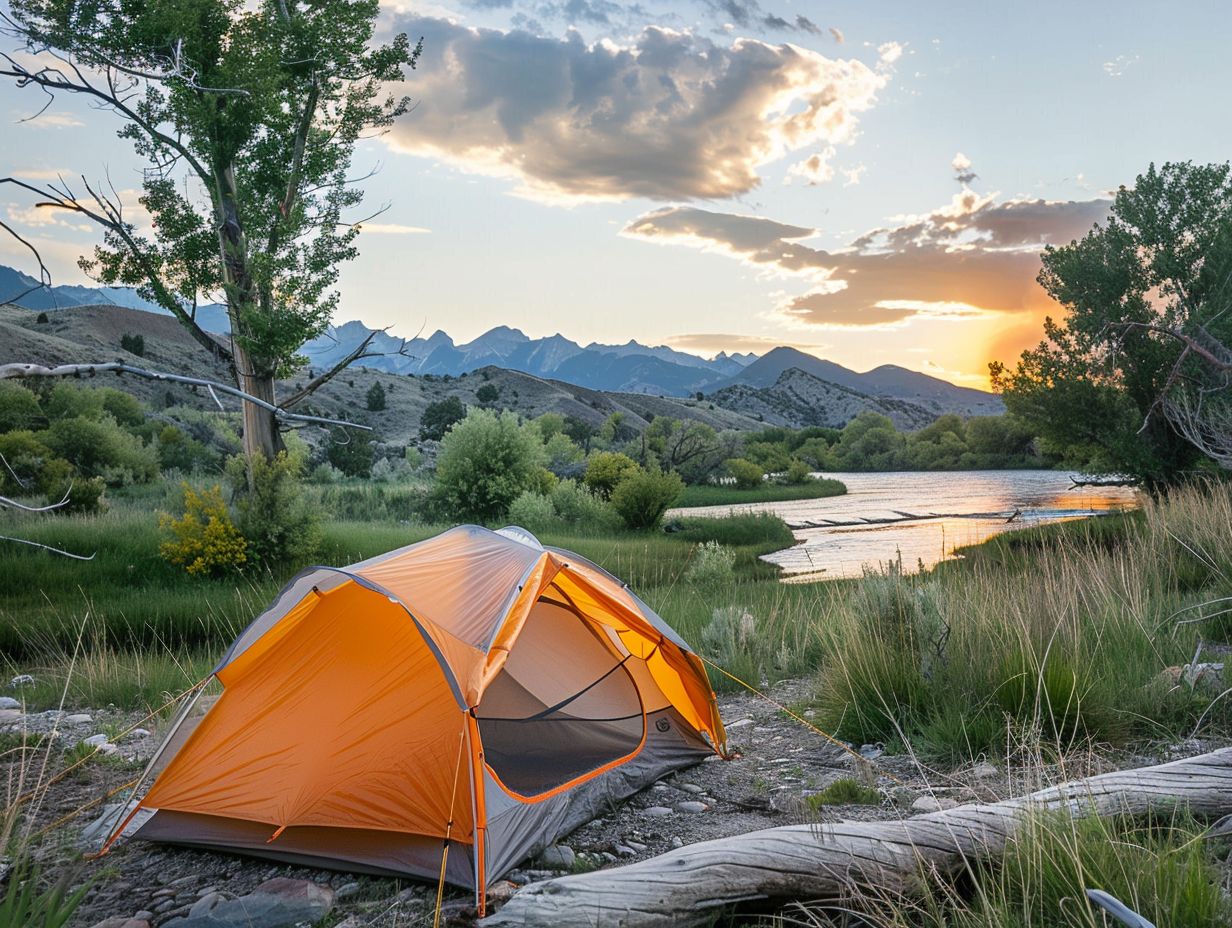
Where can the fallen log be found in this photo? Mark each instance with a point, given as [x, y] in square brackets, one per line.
[691, 885]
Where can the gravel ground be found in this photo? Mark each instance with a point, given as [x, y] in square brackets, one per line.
[779, 765]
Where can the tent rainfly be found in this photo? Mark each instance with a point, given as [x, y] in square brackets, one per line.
[475, 691]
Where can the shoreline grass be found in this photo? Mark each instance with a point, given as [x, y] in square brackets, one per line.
[712, 495]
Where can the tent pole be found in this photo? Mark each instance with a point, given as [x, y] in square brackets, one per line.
[453, 796]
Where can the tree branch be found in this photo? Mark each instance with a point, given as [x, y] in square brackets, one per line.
[359, 353]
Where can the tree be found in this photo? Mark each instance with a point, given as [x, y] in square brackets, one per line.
[376, 397]
[247, 116]
[1156, 272]
[605, 470]
[487, 460]
[439, 418]
[487, 394]
[133, 344]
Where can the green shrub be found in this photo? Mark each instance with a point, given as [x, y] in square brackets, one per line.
[26, 457]
[606, 469]
[561, 450]
[203, 539]
[440, 417]
[486, 461]
[376, 397]
[68, 401]
[273, 513]
[533, 511]
[133, 344]
[640, 499]
[713, 565]
[19, 408]
[178, 451]
[576, 505]
[100, 448]
[748, 476]
[798, 473]
[487, 394]
[59, 480]
[350, 451]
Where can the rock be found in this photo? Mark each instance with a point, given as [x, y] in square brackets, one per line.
[8, 702]
[518, 877]
[872, 751]
[206, 903]
[137, 733]
[984, 771]
[656, 811]
[119, 921]
[676, 842]
[693, 807]
[11, 717]
[932, 804]
[691, 788]
[739, 723]
[346, 891]
[22, 679]
[80, 718]
[143, 914]
[501, 891]
[902, 797]
[557, 857]
[95, 741]
[280, 902]
[623, 850]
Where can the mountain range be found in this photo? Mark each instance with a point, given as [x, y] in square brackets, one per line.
[745, 380]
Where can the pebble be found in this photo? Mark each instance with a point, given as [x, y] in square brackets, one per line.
[79, 718]
[623, 850]
[676, 842]
[346, 891]
[8, 702]
[637, 846]
[95, 741]
[693, 807]
[984, 771]
[691, 788]
[656, 811]
[138, 733]
[22, 679]
[932, 804]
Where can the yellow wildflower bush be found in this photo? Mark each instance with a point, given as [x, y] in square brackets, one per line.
[204, 540]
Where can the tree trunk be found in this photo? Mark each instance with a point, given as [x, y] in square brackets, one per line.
[261, 436]
[691, 886]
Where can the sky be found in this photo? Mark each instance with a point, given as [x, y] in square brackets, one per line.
[871, 182]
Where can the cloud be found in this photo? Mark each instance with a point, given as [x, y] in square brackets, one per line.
[391, 228]
[838, 35]
[969, 259]
[711, 344]
[1120, 64]
[669, 115]
[962, 169]
[52, 120]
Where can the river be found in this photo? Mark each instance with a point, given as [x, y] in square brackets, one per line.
[933, 513]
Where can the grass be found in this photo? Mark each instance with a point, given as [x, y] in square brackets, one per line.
[1061, 630]
[844, 792]
[712, 495]
[1160, 868]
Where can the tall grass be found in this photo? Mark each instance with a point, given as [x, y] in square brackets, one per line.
[1070, 642]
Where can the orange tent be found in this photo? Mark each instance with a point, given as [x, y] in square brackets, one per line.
[476, 691]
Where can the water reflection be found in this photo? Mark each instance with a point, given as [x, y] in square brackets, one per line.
[922, 516]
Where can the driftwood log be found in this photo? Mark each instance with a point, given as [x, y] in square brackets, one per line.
[689, 886]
